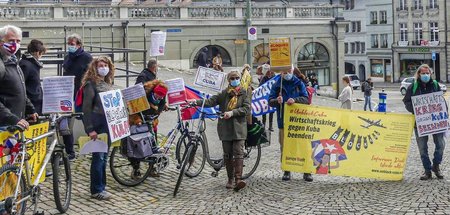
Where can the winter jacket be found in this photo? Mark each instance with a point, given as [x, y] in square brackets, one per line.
[76, 64]
[234, 128]
[202, 59]
[264, 79]
[154, 109]
[367, 88]
[31, 69]
[145, 76]
[92, 104]
[14, 104]
[294, 89]
[422, 88]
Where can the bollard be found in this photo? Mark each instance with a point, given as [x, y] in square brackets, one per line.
[382, 101]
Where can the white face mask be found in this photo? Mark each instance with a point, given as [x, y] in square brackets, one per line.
[103, 71]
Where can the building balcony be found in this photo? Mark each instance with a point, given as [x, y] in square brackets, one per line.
[433, 10]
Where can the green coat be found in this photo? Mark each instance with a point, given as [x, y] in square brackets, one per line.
[234, 128]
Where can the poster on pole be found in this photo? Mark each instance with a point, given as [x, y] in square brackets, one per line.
[135, 99]
[280, 53]
[430, 111]
[158, 43]
[116, 114]
[209, 78]
[58, 94]
[176, 92]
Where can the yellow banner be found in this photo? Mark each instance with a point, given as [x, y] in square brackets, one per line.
[280, 52]
[138, 105]
[341, 142]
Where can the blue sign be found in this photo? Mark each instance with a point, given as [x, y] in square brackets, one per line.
[260, 98]
[433, 56]
[173, 30]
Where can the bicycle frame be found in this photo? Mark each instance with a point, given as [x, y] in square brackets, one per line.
[179, 127]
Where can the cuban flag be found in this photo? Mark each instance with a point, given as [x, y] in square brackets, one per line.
[11, 47]
[193, 113]
[65, 105]
[330, 147]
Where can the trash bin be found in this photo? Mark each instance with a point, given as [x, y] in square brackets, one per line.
[382, 101]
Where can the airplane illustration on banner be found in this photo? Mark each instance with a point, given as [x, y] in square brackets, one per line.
[370, 123]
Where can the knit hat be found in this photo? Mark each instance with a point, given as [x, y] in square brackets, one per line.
[160, 91]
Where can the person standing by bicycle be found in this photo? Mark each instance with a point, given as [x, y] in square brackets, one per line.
[287, 90]
[234, 102]
[14, 103]
[98, 78]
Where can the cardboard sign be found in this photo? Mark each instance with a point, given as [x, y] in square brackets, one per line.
[58, 94]
[176, 92]
[280, 53]
[136, 99]
[158, 43]
[209, 78]
[431, 113]
[116, 114]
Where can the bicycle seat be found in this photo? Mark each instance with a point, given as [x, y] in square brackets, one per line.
[14, 128]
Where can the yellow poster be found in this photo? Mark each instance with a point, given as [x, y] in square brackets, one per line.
[341, 142]
[138, 105]
[280, 52]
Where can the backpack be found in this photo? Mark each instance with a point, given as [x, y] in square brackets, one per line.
[310, 91]
[79, 98]
[256, 133]
[416, 85]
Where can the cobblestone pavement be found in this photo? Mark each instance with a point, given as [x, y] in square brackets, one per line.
[265, 193]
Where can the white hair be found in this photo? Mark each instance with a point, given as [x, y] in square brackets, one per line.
[426, 66]
[7, 28]
[76, 37]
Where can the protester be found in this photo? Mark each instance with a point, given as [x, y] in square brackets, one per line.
[424, 84]
[305, 81]
[266, 76]
[98, 78]
[217, 63]
[346, 95]
[314, 83]
[367, 88]
[31, 68]
[234, 102]
[287, 90]
[75, 64]
[14, 104]
[202, 59]
[149, 73]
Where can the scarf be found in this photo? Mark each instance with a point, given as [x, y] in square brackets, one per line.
[233, 92]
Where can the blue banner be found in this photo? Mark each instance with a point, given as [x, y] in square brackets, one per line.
[260, 98]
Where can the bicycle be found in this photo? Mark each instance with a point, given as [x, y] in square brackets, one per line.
[18, 170]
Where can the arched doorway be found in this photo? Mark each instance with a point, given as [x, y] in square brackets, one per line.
[213, 50]
[362, 72]
[261, 54]
[350, 68]
[313, 59]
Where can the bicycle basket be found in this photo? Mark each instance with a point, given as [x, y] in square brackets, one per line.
[139, 143]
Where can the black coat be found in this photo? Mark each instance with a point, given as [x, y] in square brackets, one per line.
[14, 104]
[145, 76]
[76, 64]
[202, 59]
[422, 88]
[31, 69]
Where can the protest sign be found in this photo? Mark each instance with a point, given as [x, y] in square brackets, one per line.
[260, 98]
[209, 78]
[58, 94]
[341, 142]
[136, 99]
[116, 114]
[158, 43]
[176, 93]
[280, 53]
[430, 111]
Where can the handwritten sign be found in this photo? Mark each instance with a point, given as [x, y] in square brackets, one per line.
[209, 78]
[158, 44]
[58, 94]
[136, 99]
[116, 114]
[431, 113]
[176, 92]
[280, 52]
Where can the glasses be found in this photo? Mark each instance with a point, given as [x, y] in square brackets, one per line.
[234, 78]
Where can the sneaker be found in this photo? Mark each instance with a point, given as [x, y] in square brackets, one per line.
[307, 177]
[286, 176]
[102, 195]
[437, 171]
[72, 157]
[136, 174]
[426, 176]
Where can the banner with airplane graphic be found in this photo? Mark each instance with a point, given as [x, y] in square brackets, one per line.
[342, 142]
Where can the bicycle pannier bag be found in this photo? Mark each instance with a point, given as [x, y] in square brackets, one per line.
[139, 143]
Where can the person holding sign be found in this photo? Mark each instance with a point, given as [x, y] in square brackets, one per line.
[424, 84]
[98, 78]
[234, 102]
[287, 90]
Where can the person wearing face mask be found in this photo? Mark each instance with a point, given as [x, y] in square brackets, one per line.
[424, 84]
[15, 106]
[234, 102]
[287, 90]
[31, 68]
[98, 78]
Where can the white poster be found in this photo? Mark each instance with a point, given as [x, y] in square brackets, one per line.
[431, 113]
[58, 94]
[176, 91]
[116, 114]
[158, 43]
[209, 78]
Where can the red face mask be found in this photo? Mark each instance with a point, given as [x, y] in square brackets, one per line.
[11, 47]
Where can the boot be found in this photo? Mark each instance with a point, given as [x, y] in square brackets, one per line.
[307, 177]
[426, 176]
[270, 125]
[437, 171]
[238, 166]
[229, 166]
[286, 176]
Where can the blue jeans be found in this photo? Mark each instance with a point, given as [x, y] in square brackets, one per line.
[99, 159]
[439, 143]
[367, 101]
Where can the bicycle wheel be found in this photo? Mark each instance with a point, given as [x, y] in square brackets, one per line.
[184, 165]
[181, 147]
[252, 156]
[122, 170]
[198, 159]
[62, 181]
[9, 176]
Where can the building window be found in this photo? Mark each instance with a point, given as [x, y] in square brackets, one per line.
[383, 17]
[418, 5]
[346, 48]
[418, 34]
[373, 18]
[403, 5]
[347, 28]
[314, 59]
[434, 31]
[363, 47]
[374, 39]
[358, 47]
[403, 32]
[349, 4]
[384, 40]
[352, 45]
[356, 26]
[434, 4]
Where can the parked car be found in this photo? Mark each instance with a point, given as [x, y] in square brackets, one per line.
[354, 81]
[408, 81]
